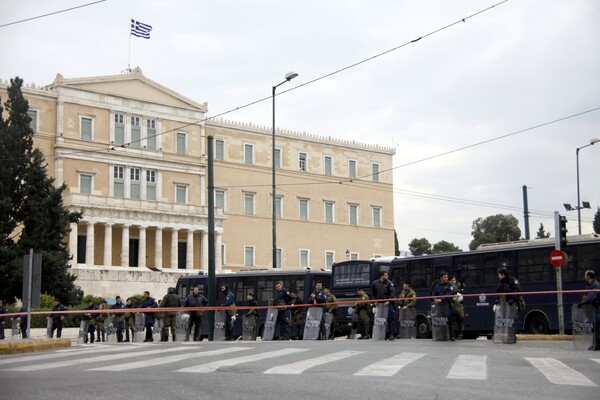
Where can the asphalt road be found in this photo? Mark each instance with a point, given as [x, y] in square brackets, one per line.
[291, 370]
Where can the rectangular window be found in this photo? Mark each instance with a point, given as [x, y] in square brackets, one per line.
[220, 199]
[119, 179]
[85, 184]
[352, 169]
[304, 259]
[303, 209]
[134, 179]
[248, 203]
[328, 165]
[151, 184]
[277, 158]
[248, 256]
[151, 134]
[278, 207]
[181, 194]
[136, 132]
[219, 149]
[329, 212]
[329, 259]
[375, 172]
[119, 129]
[248, 153]
[33, 124]
[353, 214]
[302, 161]
[278, 257]
[376, 217]
[86, 128]
[180, 145]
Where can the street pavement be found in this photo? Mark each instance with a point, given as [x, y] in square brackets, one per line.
[340, 369]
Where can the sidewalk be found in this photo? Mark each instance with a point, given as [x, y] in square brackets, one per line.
[38, 341]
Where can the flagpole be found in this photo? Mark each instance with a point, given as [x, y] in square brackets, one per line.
[129, 55]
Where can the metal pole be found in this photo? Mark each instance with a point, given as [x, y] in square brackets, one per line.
[559, 297]
[29, 284]
[274, 188]
[526, 212]
[212, 284]
[578, 198]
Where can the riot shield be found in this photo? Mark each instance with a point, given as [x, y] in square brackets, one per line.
[220, 321]
[439, 321]
[312, 324]
[408, 323]
[110, 327]
[83, 332]
[249, 327]
[157, 329]
[583, 326]
[49, 324]
[380, 321]
[139, 327]
[182, 326]
[505, 329]
[270, 322]
[353, 322]
[328, 321]
[15, 330]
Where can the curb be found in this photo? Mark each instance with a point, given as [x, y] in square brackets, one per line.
[31, 345]
[543, 337]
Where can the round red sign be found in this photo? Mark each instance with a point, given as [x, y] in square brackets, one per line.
[558, 258]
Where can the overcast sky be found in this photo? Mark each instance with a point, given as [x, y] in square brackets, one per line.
[516, 66]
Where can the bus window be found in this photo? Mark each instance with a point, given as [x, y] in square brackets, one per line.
[533, 266]
[494, 261]
[398, 275]
[265, 287]
[352, 274]
[420, 272]
[241, 288]
[470, 269]
[584, 257]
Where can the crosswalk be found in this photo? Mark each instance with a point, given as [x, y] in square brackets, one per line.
[202, 359]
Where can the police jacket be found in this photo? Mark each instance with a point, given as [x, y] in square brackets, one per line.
[282, 297]
[195, 301]
[170, 300]
[382, 290]
[407, 294]
[91, 318]
[593, 298]
[228, 300]
[441, 289]
[57, 317]
[319, 297]
[119, 306]
[508, 284]
[3, 310]
[149, 303]
[252, 311]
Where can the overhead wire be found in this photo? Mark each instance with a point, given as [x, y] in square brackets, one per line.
[52, 13]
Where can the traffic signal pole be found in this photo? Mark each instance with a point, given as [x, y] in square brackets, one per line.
[558, 233]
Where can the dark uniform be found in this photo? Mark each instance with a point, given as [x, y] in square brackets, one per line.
[100, 331]
[282, 298]
[507, 284]
[458, 308]
[91, 319]
[228, 301]
[593, 298]
[320, 297]
[129, 321]
[170, 317]
[385, 290]
[297, 316]
[57, 319]
[3, 310]
[446, 289]
[119, 319]
[193, 300]
[363, 311]
[331, 309]
[148, 302]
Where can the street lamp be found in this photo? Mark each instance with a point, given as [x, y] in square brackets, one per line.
[592, 142]
[288, 77]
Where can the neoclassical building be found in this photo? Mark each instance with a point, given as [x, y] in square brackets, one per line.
[133, 154]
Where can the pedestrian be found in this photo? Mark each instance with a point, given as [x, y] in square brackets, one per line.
[57, 319]
[282, 297]
[148, 302]
[593, 298]
[170, 300]
[119, 318]
[228, 301]
[383, 288]
[363, 310]
[457, 306]
[331, 309]
[195, 299]
[297, 316]
[129, 321]
[3, 310]
[318, 296]
[100, 329]
[443, 292]
[90, 317]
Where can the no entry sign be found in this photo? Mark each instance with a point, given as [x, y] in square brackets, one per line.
[558, 258]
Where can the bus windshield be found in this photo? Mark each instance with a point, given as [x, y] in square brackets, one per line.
[355, 274]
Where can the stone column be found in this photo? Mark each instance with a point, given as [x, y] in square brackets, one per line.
[174, 247]
[73, 243]
[125, 246]
[158, 248]
[189, 256]
[107, 245]
[142, 248]
[89, 245]
[204, 252]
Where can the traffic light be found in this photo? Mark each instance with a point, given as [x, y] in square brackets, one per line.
[562, 232]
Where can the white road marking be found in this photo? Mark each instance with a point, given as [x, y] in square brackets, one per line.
[211, 367]
[389, 366]
[301, 366]
[469, 367]
[47, 356]
[557, 372]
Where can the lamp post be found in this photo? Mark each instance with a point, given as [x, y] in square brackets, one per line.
[592, 142]
[288, 77]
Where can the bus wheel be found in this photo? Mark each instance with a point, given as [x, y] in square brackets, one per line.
[423, 329]
[538, 324]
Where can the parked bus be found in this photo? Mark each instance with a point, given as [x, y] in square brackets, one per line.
[527, 260]
[259, 282]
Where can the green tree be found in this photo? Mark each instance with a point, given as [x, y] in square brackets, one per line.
[494, 229]
[396, 245]
[419, 246]
[541, 233]
[596, 223]
[35, 215]
[444, 247]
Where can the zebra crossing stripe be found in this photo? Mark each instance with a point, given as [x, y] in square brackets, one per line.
[49, 356]
[169, 359]
[389, 366]
[88, 360]
[557, 372]
[596, 359]
[211, 367]
[469, 367]
[301, 366]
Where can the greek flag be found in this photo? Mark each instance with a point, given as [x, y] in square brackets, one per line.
[140, 29]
